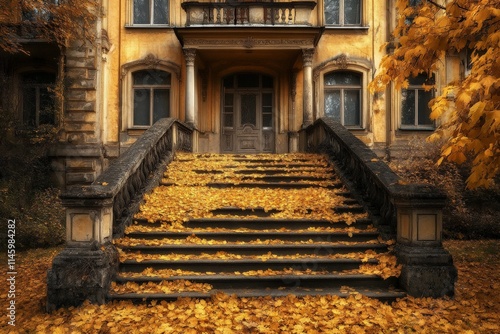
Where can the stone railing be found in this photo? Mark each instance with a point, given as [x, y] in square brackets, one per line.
[98, 212]
[248, 13]
[411, 212]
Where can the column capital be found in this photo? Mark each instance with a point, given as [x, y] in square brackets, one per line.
[307, 56]
[189, 55]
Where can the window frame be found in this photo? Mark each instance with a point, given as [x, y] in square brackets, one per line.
[127, 108]
[151, 88]
[417, 88]
[341, 23]
[151, 23]
[342, 88]
[37, 86]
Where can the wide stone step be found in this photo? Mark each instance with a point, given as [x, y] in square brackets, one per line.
[259, 249]
[380, 294]
[276, 184]
[264, 223]
[274, 223]
[219, 281]
[242, 265]
[230, 236]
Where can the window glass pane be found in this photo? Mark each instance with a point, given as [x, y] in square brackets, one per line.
[29, 106]
[267, 81]
[228, 120]
[141, 12]
[47, 106]
[249, 109]
[332, 104]
[421, 79]
[228, 99]
[39, 78]
[160, 12]
[332, 10]
[248, 80]
[151, 77]
[229, 82]
[267, 120]
[424, 111]
[267, 100]
[352, 107]
[161, 104]
[141, 106]
[342, 78]
[352, 12]
[408, 107]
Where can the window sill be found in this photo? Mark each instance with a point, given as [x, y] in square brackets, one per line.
[136, 132]
[412, 131]
[148, 26]
[334, 27]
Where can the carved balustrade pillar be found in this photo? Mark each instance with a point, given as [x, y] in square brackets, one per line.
[190, 55]
[307, 57]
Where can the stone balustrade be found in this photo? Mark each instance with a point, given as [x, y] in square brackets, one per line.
[98, 212]
[248, 13]
[411, 212]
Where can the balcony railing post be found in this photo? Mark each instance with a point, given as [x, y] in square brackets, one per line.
[253, 12]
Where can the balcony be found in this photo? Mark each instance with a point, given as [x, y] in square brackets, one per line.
[256, 13]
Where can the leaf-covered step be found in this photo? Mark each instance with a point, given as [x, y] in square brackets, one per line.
[231, 265]
[233, 236]
[277, 184]
[273, 282]
[274, 223]
[344, 292]
[258, 249]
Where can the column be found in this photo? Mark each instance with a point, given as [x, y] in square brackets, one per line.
[307, 56]
[190, 55]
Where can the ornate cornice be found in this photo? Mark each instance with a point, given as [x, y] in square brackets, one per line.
[247, 42]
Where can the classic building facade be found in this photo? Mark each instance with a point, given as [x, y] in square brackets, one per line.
[247, 75]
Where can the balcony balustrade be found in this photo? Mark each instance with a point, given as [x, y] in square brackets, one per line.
[248, 13]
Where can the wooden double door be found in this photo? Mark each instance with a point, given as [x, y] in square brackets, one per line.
[247, 114]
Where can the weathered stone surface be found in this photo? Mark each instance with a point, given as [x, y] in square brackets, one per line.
[80, 274]
[80, 105]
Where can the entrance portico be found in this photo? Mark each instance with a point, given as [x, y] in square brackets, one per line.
[281, 57]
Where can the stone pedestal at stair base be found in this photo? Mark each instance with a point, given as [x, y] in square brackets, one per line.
[81, 273]
[427, 271]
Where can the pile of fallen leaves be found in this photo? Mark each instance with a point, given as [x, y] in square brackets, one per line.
[475, 308]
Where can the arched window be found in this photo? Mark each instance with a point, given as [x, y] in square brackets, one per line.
[343, 12]
[38, 99]
[151, 94]
[343, 97]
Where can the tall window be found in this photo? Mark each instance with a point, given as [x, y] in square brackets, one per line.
[343, 12]
[151, 96]
[343, 97]
[415, 111]
[150, 12]
[38, 101]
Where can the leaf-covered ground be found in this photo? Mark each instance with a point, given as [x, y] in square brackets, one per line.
[475, 308]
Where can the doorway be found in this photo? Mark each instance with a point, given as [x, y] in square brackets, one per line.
[247, 113]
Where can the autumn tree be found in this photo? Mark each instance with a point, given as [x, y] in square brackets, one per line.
[60, 21]
[469, 108]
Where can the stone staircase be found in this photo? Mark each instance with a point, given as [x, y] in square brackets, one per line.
[253, 225]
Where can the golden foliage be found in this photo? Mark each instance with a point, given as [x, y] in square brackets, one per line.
[475, 308]
[469, 108]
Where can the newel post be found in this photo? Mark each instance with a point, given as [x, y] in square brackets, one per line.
[428, 269]
[85, 268]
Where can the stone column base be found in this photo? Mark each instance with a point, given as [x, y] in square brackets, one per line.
[427, 271]
[80, 274]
